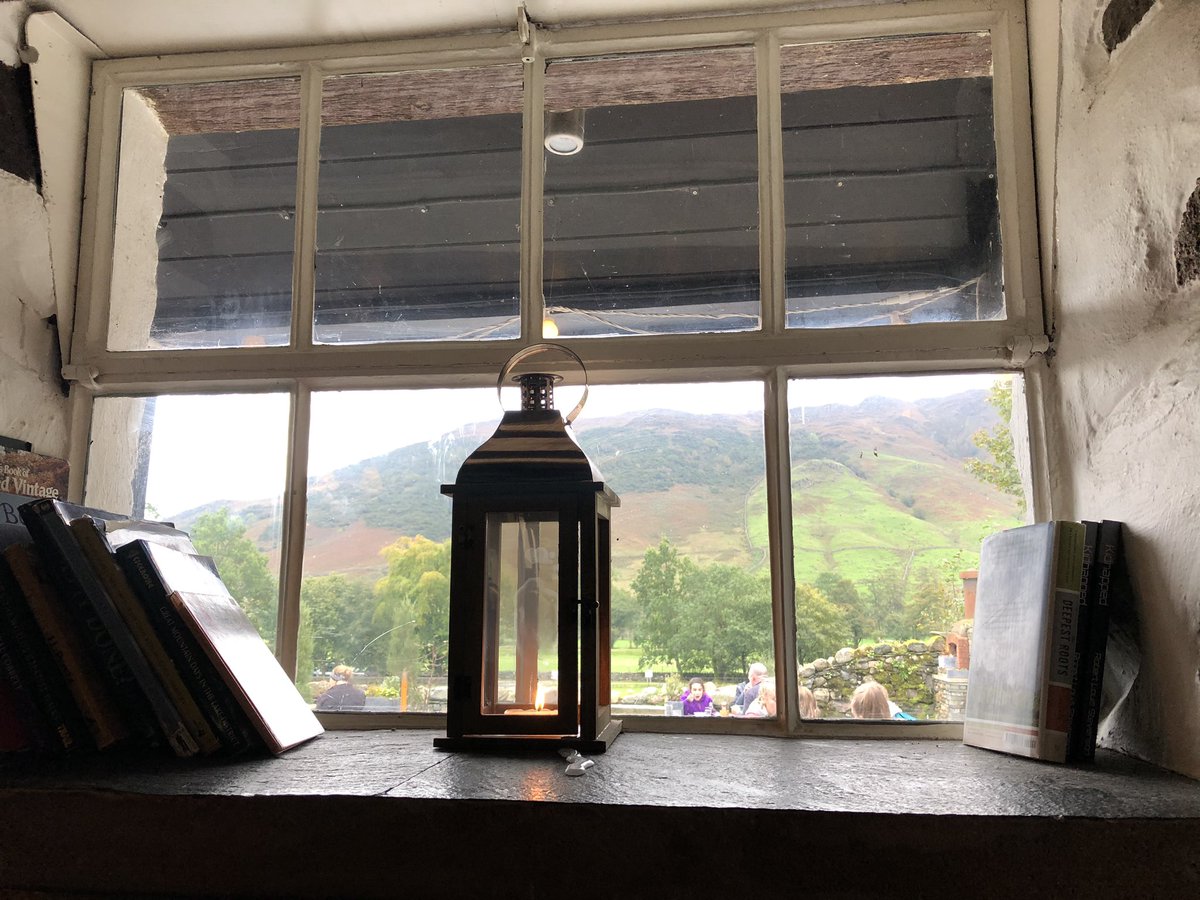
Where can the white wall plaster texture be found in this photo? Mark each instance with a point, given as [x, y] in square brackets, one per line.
[12, 22]
[1124, 416]
[31, 404]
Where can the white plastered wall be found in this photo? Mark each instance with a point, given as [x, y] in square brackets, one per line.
[32, 406]
[1123, 412]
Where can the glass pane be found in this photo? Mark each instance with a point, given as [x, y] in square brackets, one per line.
[375, 598]
[419, 206]
[215, 466]
[651, 227]
[691, 576]
[889, 165]
[205, 215]
[520, 615]
[895, 482]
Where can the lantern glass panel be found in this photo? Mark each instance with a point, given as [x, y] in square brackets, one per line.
[520, 619]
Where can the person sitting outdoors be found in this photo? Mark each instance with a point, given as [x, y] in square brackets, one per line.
[343, 694]
[748, 689]
[870, 701]
[763, 705]
[808, 704]
[696, 701]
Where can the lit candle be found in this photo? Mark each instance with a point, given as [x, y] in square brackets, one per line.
[539, 703]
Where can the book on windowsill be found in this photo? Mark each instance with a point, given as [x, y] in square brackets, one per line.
[1023, 647]
[39, 678]
[1111, 589]
[146, 706]
[88, 687]
[97, 549]
[233, 646]
[28, 474]
[220, 707]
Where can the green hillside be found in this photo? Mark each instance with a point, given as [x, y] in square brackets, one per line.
[875, 487]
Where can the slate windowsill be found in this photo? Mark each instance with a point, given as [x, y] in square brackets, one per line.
[265, 825]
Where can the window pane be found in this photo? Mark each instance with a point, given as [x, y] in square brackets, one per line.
[895, 482]
[691, 583]
[890, 182]
[419, 206]
[205, 215]
[376, 590]
[213, 465]
[652, 227]
[520, 615]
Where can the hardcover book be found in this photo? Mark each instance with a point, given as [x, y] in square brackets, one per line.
[234, 647]
[141, 695]
[208, 687]
[86, 684]
[29, 474]
[1112, 587]
[40, 675]
[90, 533]
[1088, 587]
[1023, 649]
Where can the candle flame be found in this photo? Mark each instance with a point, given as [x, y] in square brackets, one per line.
[540, 700]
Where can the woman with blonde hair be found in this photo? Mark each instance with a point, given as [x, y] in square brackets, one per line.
[808, 704]
[870, 701]
[763, 706]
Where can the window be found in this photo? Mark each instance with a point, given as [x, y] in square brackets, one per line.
[788, 248]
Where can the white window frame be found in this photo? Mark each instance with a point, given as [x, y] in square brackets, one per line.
[772, 355]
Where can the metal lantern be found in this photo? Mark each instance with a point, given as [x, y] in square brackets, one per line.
[530, 571]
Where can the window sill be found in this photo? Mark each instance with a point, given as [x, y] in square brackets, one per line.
[751, 809]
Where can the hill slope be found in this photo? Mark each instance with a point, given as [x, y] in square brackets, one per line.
[873, 485]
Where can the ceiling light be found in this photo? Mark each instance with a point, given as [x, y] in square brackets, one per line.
[564, 132]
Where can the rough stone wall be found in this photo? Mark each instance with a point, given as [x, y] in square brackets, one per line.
[1123, 417]
[32, 405]
[907, 669]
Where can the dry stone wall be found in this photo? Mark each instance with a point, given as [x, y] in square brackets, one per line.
[908, 669]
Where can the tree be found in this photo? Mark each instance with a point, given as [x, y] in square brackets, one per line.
[413, 604]
[934, 604]
[1001, 472]
[822, 626]
[700, 618]
[727, 619]
[626, 614]
[243, 567]
[845, 596]
[337, 612]
[657, 587]
[880, 612]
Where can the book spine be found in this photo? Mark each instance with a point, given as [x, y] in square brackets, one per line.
[13, 733]
[1056, 694]
[90, 691]
[119, 655]
[1108, 578]
[185, 711]
[36, 730]
[1087, 600]
[29, 652]
[218, 703]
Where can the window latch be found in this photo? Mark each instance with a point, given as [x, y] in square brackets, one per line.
[82, 375]
[1023, 347]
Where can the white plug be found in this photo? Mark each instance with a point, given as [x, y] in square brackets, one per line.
[579, 766]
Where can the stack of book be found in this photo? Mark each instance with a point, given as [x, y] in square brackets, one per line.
[1040, 635]
[116, 632]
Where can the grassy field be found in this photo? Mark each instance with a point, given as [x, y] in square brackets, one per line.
[860, 530]
[624, 659]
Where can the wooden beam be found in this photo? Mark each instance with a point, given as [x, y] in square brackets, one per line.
[268, 104]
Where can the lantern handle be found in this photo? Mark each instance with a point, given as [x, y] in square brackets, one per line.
[533, 350]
